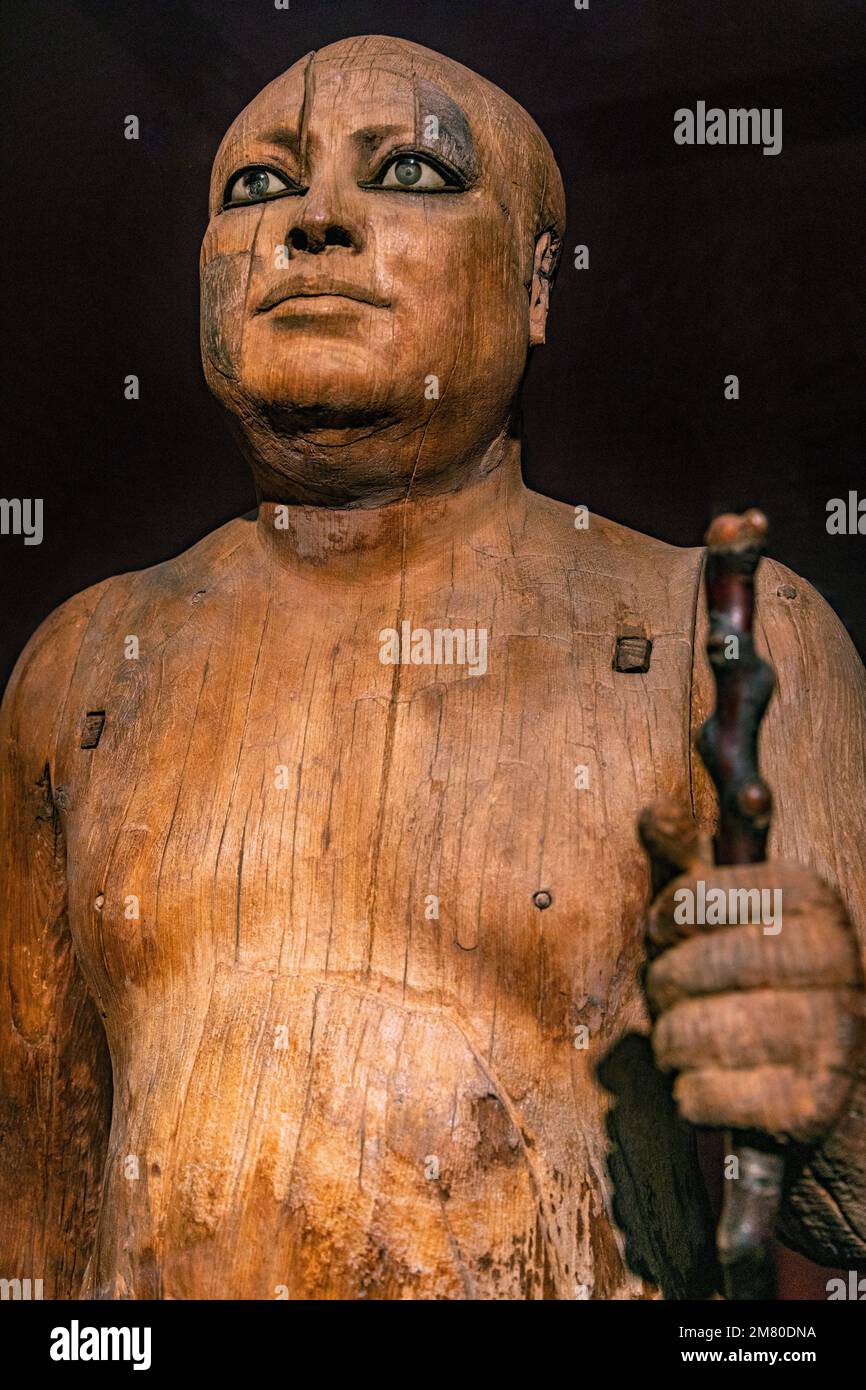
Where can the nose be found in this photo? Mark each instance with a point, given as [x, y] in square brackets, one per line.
[322, 223]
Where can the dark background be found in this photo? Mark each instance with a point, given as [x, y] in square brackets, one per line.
[703, 261]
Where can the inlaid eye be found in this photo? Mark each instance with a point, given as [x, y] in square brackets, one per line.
[255, 184]
[410, 171]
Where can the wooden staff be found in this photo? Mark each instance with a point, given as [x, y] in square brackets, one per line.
[728, 744]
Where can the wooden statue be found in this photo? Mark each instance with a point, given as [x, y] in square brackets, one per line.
[323, 907]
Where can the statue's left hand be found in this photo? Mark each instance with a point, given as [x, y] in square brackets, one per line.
[762, 1020]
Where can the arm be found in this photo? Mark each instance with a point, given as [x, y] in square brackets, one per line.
[813, 755]
[55, 1073]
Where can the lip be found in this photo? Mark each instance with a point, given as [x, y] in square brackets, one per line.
[320, 289]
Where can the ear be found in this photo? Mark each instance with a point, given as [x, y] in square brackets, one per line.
[546, 249]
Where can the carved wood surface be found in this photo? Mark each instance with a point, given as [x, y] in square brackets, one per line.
[299, 914]
[221, 848]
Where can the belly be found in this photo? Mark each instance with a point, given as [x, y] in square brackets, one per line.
[310, 1138]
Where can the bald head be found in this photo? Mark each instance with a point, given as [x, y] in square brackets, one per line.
[385, 225]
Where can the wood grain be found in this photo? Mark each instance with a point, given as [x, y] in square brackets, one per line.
[281, 922]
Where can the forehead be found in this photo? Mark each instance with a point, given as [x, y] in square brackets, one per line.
[331, 95]
[382, 86]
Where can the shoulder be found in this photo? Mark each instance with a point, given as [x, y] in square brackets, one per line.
[803, 637]
[45, 665]
[34, 697]
[819, 674]
[639, 576]
[184, 575]
[599, 539]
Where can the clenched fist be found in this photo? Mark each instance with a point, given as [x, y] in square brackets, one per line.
[755, 986]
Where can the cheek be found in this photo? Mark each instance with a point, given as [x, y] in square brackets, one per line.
[225, 274]
[455, 279]
[223, 290]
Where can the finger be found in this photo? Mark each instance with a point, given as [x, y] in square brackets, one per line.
[672, 839]
[821, 953]
[711, 896]
[777, 1100]
[813, 1030]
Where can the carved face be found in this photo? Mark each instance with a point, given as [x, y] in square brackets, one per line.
[369, 258]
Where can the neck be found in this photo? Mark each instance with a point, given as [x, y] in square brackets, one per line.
[362, 543]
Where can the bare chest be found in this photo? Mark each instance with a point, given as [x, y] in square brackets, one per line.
[437, 802]
[333, 893]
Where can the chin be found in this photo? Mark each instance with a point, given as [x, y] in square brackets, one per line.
[314, 369]
[345, 389]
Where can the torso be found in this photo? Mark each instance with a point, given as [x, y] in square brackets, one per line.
[327, 1089]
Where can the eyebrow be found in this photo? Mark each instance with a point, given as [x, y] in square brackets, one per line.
[371, 136]
[281, 135]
